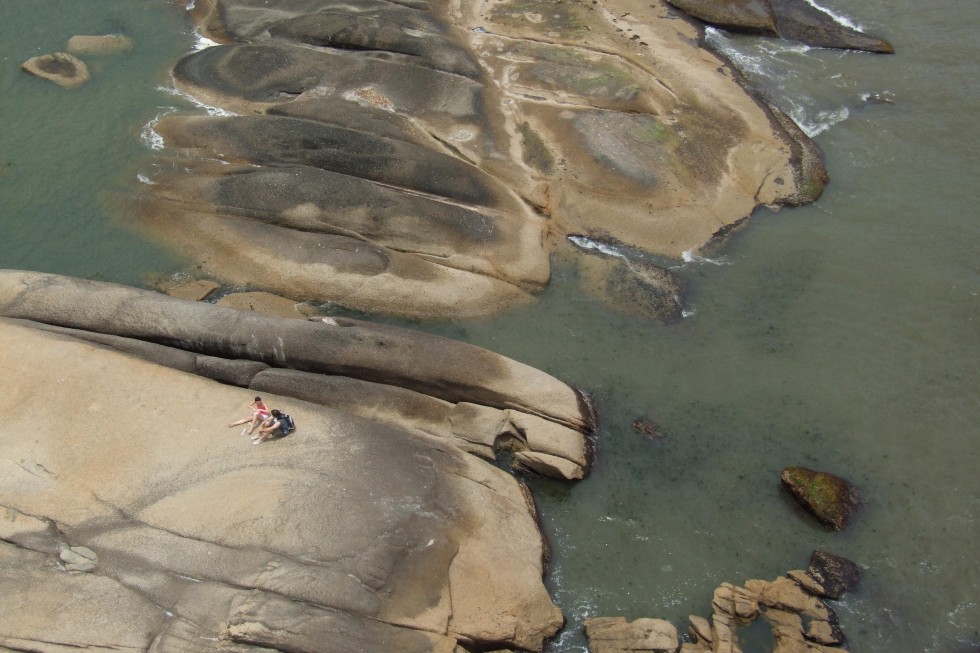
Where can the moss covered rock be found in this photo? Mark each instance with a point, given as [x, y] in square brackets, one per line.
[830, 498]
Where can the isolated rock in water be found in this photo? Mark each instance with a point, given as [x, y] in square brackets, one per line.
[60, 68]
[346, 535]
[104, 44]
[616, 635]
[830, 498]
[798, 20]
[400, 377]
[835, 574]
[423, 161]
[794, 20]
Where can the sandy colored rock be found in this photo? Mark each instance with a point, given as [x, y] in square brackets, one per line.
[700, 629]
[444, 368]
[397, 538]
[807, 582]
[616, 635]
[99, 44]
[61, 68]
[434, 181]
[194, 290]
[265, 303]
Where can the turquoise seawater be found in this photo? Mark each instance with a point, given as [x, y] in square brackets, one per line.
[841, 336]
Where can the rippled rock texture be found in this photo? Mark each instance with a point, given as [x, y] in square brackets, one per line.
[423, 159]
[132, 517]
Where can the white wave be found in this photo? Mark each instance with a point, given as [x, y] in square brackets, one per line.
[741, 60]
[688, 256]
[688, 312]
[819, 123]
[839, 18]
[202, 42]
[149, 134]
[211, 111]
[588, 243]
[190, 6]
[143, 179]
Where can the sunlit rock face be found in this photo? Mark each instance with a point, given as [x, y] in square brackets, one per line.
[132, 516]
[423, 159]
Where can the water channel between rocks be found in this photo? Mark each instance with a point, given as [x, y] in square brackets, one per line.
[841, 336]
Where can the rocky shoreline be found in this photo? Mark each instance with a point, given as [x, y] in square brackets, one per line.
[418, 160]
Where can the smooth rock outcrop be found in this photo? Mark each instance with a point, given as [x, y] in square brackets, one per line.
[131, 518]
[794, 20]
[61, 68]
[829, 498]
[404, 378]
[424, 161]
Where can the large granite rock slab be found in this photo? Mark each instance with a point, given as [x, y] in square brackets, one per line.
[348, 535]
[480, 400]
[424, 160]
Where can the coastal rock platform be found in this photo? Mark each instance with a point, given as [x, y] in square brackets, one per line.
[424, 160]
[132, 517]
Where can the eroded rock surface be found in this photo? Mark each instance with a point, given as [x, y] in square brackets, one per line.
[424, 159]
[794, 20]
[800, 620]
[463, 393]
[132, 518]
[61, 68]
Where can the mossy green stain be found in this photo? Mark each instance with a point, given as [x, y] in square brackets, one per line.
[535, 153]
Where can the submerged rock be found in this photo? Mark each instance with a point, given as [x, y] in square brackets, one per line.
[99, 44]
[830, 498]
[61, 68]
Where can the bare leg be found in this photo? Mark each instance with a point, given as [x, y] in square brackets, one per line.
[244, 420]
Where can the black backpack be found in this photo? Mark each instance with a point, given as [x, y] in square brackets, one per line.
[286, 424]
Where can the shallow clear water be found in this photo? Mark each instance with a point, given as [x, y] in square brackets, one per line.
[842, 336]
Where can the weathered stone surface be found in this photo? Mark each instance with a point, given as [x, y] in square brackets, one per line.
[616, 635]
[830, 498]
[554, 448]
[700, 629]
[750, 16]
[835, 574]
[798, 20]
[795, 20]
[194, 290]
[784, 594]
[79, 558]
[437, 366]
[99, 44]
[61, 68]
[442, 147]
[350, 532]
[265, 303]
[807, 582]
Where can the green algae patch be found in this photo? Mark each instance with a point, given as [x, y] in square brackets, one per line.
[534, 151]
[829, 498]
